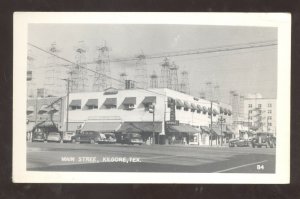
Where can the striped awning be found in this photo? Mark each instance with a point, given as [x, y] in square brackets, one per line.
[110, 102]
[30, 110]
[215, 112]
[129, 100]
[149, 100]
[75, 103]
[204, 109]
[193, 106]
[92, 102]
[187, 104]
[199, 108]
[101, 126]
[179, 103]
[43, 109]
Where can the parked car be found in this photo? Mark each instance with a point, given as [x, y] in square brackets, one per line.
[54, 137]
[110, 138]
[238, 143]
[132, 138]
[263, 139]
[67, 136]
[92, 137]
[38, 137]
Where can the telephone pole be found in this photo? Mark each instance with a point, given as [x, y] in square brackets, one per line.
[68, 93]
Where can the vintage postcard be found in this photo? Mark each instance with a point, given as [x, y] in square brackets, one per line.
[151, 98]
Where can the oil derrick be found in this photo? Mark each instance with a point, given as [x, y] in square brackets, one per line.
[31, 86]
[184, 86]
[141, 76]
[165, 81]
[216, 93]
[153, 80]
[102, 77]
[209, 90]
[173, 77]
[54, 73]
[78, 74]
[123, 78]
[234, 101]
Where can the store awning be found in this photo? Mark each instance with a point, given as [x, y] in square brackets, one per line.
[229, 112]
[110, 102]
[75, 103]
[101, 126]
[92, 102]
[140, 127]
[129, 100]
[205, 129]
[221, 110]
[215, 112]
[43, 109]
[149, 100]
[225, 111]
[181, 128]
[209, 111]
[72, 126]
[199, 108]
[217, 131]
[187, 105]
[30, 110]
[204, 109]
[193, 106]
[179, 103]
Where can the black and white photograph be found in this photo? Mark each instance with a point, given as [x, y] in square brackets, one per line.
[129, 97]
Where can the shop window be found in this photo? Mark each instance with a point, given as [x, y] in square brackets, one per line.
[192, 110]
[111, 106]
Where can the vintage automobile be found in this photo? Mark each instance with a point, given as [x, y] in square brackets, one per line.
[132, 138]
[38, 137]
[263, 139]
[110, 138]
[92, 137]
[238, 143]
[67, 136]
[54, 137]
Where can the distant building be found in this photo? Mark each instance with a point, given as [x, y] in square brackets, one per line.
[260, 113]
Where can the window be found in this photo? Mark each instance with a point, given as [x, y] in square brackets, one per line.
[192, 110]
[269, 111]
[250, 111]
[250, 118]
[269, 105]
[186, 109]
[269, 117]
[269, 124]
[75, 107]
[249, 105]
[111, 106]
[198, 111]
[92, 107]
[259, 105]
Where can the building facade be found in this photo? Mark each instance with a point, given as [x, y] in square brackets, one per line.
[260, 114]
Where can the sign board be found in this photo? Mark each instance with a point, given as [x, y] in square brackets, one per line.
[174, 123]
[172, 112]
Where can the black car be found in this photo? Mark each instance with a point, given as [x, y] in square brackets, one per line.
[88, 137]
[263, 139]
[238, 143]
[132, 138]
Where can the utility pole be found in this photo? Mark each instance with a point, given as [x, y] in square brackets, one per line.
[211, 122]
[221, 121]
[152, 110]
[68, 93]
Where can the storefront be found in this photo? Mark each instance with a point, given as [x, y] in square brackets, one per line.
[181, 134]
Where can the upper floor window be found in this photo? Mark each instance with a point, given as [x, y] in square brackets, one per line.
[259, 105]
[269, 105]
[249, 105]
[250, 111]
[269, 111]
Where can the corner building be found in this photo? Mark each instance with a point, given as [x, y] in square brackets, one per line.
[123, 111]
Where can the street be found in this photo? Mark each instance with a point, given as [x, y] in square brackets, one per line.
[159, 158]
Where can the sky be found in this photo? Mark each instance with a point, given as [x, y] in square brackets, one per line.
[246, 71]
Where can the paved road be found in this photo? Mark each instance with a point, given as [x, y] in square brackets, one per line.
[127, 158]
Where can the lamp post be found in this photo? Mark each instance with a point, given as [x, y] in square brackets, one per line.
[221, 120]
